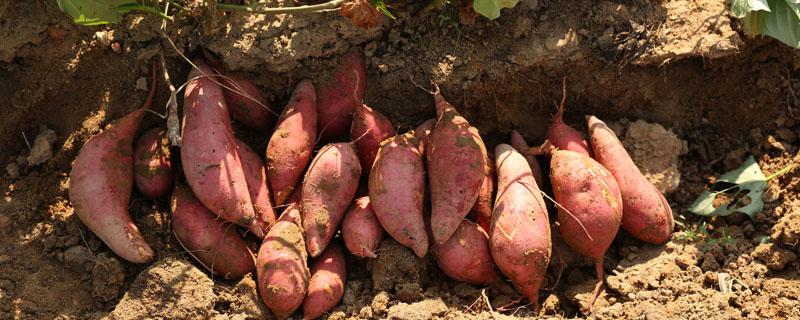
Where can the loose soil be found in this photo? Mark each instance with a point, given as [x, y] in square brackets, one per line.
[684, 65]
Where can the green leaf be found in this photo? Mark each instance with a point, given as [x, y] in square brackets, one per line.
[95, 12]
[381, 6]
[491, 8]
[740, 8]
[783, 23]
[747, 177]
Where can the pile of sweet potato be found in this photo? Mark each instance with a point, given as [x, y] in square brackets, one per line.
[435, 189]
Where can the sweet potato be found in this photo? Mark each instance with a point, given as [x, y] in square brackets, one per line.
[152, 166]
[396, 191]
[247, 104]
[209, 155]
[361, 230]
[481, 212]
[466, 256]
[645, 212]
[101, 182]
[590, 208]
[289, 149]
[256, 177]
[369, 128]
[281, 266]
[456, 168]
[423, 132]
[326, 287]
[216, 245]
[519, 143]
[341, 95]
[519, 235]
[564, 137]
[328, 190]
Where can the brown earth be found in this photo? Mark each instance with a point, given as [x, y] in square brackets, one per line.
[682, 64]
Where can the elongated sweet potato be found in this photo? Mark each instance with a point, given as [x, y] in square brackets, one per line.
[152, 166]
[247, 104]
[216, 245]
[369, 128]
[101, 182]
[519, 235]
[481, 212]
[290, 146]
[396, 191]
[328, 190]
[256, 176]
[209, 155]
[423, 132]
[591, 206]
[564, 137]
[361, 230]
[466, 256]
[456, 169]
[326, 287]
[281, 266]
[646, 214]
[341, 95]
[519, 143]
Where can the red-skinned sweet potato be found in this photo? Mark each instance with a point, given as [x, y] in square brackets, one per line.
[215, 244]
[101, 182]
[292, 143]
[466, 256]
[519, 143]
[456, 169]
[564, 137]
[326, 287]
[369, 128]
[209, 156]
[423, 132]
[247, 104]
[481, 212]
[256, 177]
[590, 208]
[396, 191]
[339, 97]
[328, 189]
[152, 166]
[519, 235]
[361, 230]
[646, 214]
[282, 269]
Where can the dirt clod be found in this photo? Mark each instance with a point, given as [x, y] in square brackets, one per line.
[655, 150]
[397, 267]
[107, 278]
[42, 149]
[776, 258]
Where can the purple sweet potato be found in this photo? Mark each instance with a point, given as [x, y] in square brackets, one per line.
[292, 143]
[590, 208]
[325, 290]
[519, 235]
[209, 156]
[423, 132]
[645, 212]
[101, 182]
[456, 169]
[328, 189]
[341, 95]
[519, 143]
[256, 177]
[247, 104]
[481, 212]
[152, 167]
[369, 128]
[283, 274]
[361, 230]
[215, 244]
[396, 191]
[564, 137]
[466, 256]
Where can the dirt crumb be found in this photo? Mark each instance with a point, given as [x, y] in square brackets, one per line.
[242, 301]
[42, 149]
[775, 258]
[655, 150]
[79, 258]
[423, 310]
[107, 278]
[787, 230]
[397, 267]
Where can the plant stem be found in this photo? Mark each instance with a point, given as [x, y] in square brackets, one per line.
[333, 4]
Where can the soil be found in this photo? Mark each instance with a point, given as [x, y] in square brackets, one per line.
[682, 65]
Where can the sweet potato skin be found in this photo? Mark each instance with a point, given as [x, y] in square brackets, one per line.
[361, 230]
[328, 189]
[290, 146]
[217, 246]
[423, 132]
[519, 143]
[326, 287]
[101, 182]
[152, 166]
[396, 191]
[209, 156]
[341, 95]
[256, 177]
[369, 128]
[466, 256]
[645, 212]
[251, 109]
[481, 212]
[519, 235]
[281, 266]
[456, 169]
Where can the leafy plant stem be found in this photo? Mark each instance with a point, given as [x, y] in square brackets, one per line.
[333, 4]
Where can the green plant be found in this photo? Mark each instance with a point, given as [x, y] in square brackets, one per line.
[779, 19]
[491, 8]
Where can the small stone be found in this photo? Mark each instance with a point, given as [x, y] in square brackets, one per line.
[141, 84]
[103, 38]
[42, 149]
[380, 302]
